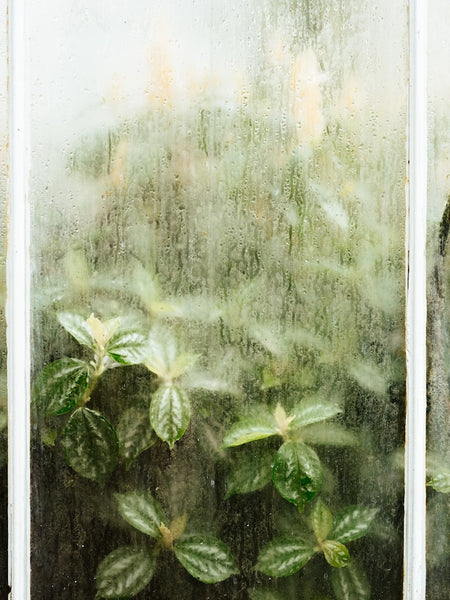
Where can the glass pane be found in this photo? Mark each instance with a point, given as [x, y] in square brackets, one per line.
[438, 464]
[218, 299]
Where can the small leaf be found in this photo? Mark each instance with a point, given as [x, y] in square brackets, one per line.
[250, 430]
[90, 444]
[313, 410]
[328, 434]
[78, 328]
[127, 347]
[182, 364]
[350, 583]
[60, 386]
[284, 556]
[170, 413]
[352, 523]
[297, 473]
[321, 520]
[206, 558]
[124, 573]
[178, 526]
[161, 352]
[142, 512]
[440, 481]
[336, 554]
[102, 331]
[135, 433]
[251, 471]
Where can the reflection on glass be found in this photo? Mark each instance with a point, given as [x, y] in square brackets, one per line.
[218, 306]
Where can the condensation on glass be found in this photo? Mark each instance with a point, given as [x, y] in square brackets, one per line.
[218, 194]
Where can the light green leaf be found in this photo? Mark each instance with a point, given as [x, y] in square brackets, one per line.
[313, 410]
[250, 430]
[284, 556]
[321, 520]
[206, 558]
[328, 434]
[127, 347]
[142, 512]
[161, 352]
[336, 554]
[297, 473]
[124, 573]
[135, 433]
[61, 385]
[78, 328]
[369, 376]
[90, 444]
[170, 413]
[350, 583]
[352, 523]
[182, 364]
[440, 481]
[251, 471]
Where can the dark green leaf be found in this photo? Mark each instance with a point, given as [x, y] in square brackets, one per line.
[250, 472]
[321, 520]
[352, 523]
[124, 573]
[250, 430]
[297, 473]
[142, 512]
[90, 444]
[78, 328]
[313, 410]
[135, 433]
[206, 558]
[60, 386]
[170, 412]
[350, 583]
[284, 556]
[336, 554]
[127, 347]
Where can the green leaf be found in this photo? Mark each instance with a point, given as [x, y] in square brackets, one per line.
[250, 430]
[297, 473]
[336, 554]
[170, 412]
[90, 444]
[206, 558]
[127, 347]
[124, 573]
[350, 583]
[60, 386]
[135, 433]
[440, 481]
[328, 434]
[251, 471]
[78, 328]
[142, 512]
[352, 523]
[182, 364]
[321, 520]
[284, 556]
[263, 594]
[313, 410]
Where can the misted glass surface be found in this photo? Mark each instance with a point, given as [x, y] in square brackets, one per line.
[438, 461]
[218, 299]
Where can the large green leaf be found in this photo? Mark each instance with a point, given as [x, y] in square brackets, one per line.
[250, 430]
[127, 347]
[170, 412]
[313, 410]
[78, 328]
[321, 520]
[350, 583]
[206, 558]
[90, 444]
[142, 512]
[352, 523]
[336, 554]
[60, 386]
[284, 556]
[135, 433]
[251, 471]
[124, 573]
[297, 473]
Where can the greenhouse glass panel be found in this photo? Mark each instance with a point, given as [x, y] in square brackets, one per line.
[218, 276]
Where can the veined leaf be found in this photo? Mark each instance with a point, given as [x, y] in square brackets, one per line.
[350, 583]
[135, 433]
[440, 481]
[321, 520]
[284, 556]
[297, 473]
[170, 413]
[251, 471]
[142, 512]
[124, 573]
[206, 558]
[90, 444]
[78, 328]
[127, 347]
[328, 434]
[313, 410]
[61, 385]
[336, 554]
[250, 430]
[352, 523]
